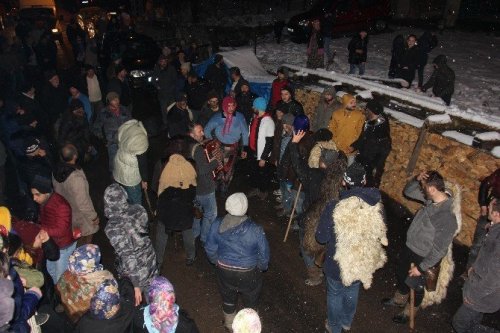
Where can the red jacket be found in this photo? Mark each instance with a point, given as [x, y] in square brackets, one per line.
[55, 218]
[276, 91]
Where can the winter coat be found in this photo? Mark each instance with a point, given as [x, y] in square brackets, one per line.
[25, 304]
[276, 91]
[29, 167]
[426, 43]
[205, 184]
[34, 106]
[109, 123]
[178, 121]
[236, 85]
[489, 188]
[54, 100]
[358, 43]
[55, 218]
[86, 105]
[197, 95]
[442, 79]
[245, 104]
[217, 77]
[132, 141]
[76, 130]
[205, 114]
[354, 231]
[238, 130]
[165, 81]
[346, 126]
[433, 226]
[122, 89]
[127, 231]
[264, 137]
[482, 288]
[292, 107]
[323, 114]
[237, 241]
[318, 38]
[70, 182]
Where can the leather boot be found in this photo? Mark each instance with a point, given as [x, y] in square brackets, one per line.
[228, 320]
[399, 300]
[404, 316]
[314, 276]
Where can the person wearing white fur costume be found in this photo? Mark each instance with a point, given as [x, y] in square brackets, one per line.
[355, 232]
[428, 242]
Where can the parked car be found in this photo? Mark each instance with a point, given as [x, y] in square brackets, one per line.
[33, 12]
[349, 16]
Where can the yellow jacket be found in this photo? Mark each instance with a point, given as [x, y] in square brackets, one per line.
[346, 126]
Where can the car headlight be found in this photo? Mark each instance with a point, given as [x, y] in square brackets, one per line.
[55, 31]
[304, 23]
[137, 73]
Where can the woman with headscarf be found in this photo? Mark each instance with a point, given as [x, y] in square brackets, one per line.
[80, 282]
[127, 231]
[163, 315]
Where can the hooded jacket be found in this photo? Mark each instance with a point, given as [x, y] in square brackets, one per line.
[132, 141]
[127, 231]
[70, 182]
[324, 111]
[442, 79]
[354, 231]
[346, 125]
[237, 241]
[55, 218]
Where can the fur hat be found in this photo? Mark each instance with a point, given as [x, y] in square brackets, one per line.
[106, 301]
[31, 144]
[260, 104]
[328, 156]
[247, 321]
[7, 305]
[226, 101]
[288, 119]
[178, 173]
[374, 107]
[237, 204]
[355, 175]
[5, 219]
[42, 184]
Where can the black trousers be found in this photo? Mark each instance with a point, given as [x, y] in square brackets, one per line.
[260, 177]
[404, 282]
[232, 282]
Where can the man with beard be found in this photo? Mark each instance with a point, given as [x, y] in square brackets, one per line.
[75, 94]
[216, 76]
[245, 99]
[288, 104]
[165, 79]
[178, 117]
[374, 143]
[346, 125]
[228, 127]
[211, 107]
[75, 129]
[119, 85]
[324, 110]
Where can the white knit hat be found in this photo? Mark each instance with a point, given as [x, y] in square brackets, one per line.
[247, 321]
[237, 204]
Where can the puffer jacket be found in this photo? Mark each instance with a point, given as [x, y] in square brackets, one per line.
[482, 289]
[132, 141]
[70, 182]
[237, 241]
[127, 231]
[433, 227]
[55, 218]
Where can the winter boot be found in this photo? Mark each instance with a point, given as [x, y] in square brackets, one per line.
[228, 320]
[399, 300]
[404, 316]
[314, 276]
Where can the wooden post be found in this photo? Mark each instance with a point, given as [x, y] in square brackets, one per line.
[418, 147]
[412, 307]
[293, 212]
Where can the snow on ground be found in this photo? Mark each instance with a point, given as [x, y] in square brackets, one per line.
[474, 57]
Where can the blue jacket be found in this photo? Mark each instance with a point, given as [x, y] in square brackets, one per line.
[326, 232]
[25, 304]
[239, 129]
[86, 105]
[243, 246]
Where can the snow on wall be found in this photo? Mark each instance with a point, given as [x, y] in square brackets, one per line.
[439, 119]
[405, 118]
[496, 151]
[460, 137]
[489, 136]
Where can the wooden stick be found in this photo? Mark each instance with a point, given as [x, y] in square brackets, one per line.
[412, 306]
[418, 147]
[292, 213]
[148, 203]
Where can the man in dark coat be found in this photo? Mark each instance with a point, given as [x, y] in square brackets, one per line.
[358, 52]
[374, 143]
[216, 76]
[178, 118]
[426, 43]
[165, 79]
[442, 80]
[197, 92]
[398, 47]
[75, 128]
[288, 104]
[119, 85]
[54, 97]
[237, 81]
[409, 60]
[245, 100]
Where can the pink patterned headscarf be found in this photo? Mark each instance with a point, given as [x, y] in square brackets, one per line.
[162, 307]
[229, 116]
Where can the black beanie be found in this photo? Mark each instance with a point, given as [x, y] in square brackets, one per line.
[374, 107]
[42, 184]
[355, 175]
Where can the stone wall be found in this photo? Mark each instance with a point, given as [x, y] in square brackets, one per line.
[457, 162]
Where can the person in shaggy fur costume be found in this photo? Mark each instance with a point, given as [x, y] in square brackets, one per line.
[428, 243]
[355, 232]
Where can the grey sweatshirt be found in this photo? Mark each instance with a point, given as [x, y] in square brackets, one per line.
[432, 228]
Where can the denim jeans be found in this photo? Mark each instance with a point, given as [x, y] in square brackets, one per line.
[232, 282]
[467, 320]
[341, 304]
[361, 66]
[57, 268]
[208, 204]
[162, 238]
[134, 194]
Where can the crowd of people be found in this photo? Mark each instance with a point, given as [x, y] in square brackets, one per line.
[328, 170]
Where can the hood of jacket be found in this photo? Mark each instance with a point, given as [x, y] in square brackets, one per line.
[63, 170]
[370, 195]
[235, 225]
[346, 99]
[133, 137]
[115, 201]
[440, 60]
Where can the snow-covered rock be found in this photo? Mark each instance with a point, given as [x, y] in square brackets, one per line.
[460, 137]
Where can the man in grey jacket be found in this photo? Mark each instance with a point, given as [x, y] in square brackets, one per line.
[324, 110]
[482, 289]
[427, 240]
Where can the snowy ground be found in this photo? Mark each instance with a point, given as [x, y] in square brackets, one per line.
[475, 58]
